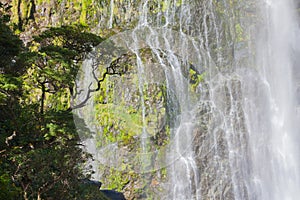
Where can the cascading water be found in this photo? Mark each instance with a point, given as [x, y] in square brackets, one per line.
[208, 94]
[273, 127]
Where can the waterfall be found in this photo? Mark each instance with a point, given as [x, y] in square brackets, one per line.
[273, 126]
[199, 102]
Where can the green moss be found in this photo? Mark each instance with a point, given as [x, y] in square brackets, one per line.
[83, 13]
[119, 125]
[239, 33]
[24, 9]
[118, 178]
[15, 11]
[195, 79]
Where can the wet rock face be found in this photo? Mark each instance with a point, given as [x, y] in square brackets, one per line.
[126, 105]
[212, 142]
[211, 153]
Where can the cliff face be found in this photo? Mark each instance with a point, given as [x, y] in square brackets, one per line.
[32, 16]
[120, 115]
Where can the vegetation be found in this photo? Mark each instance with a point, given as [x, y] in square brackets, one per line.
[40, 153]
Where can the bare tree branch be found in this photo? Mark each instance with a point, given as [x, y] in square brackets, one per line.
[113, 69]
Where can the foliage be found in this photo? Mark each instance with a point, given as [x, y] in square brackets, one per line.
[40, 152]
[70, 41]
[8, 190]
[55, 59]
[11, 46]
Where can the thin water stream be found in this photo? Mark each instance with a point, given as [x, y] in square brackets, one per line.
[230, 72]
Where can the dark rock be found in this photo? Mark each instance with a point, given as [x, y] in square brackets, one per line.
[91, 182]
[113, 195]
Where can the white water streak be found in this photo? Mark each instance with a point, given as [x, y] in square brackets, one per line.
[275, 143]
[250, 146]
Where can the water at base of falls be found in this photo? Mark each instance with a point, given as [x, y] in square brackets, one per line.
[217, 82]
